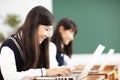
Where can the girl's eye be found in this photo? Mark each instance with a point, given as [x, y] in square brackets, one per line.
[47, 29]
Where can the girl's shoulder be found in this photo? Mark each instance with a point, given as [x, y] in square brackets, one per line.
[52, 44]
[8, 42]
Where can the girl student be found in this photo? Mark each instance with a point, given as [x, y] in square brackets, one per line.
[24, 55]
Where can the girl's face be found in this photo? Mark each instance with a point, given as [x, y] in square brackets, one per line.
[67, 35]
[43, 32]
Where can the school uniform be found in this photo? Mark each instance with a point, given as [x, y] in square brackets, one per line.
[12, 62]
[60, 59]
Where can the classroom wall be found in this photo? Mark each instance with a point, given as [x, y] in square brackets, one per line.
[18, 7]
[103, 59]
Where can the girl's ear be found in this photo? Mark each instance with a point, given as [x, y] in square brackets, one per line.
[61, 29]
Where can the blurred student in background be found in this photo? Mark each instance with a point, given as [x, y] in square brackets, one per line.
[63, 36]
[25, 54]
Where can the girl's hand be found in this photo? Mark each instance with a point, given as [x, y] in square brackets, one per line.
[58, 71]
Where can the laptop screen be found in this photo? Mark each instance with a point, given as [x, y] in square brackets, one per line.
[94, 58]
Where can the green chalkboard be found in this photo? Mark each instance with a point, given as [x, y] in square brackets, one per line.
[98, 23]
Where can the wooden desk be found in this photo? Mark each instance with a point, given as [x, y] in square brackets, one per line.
[94, 77]
[108, 72]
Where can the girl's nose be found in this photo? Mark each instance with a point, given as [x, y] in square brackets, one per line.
[48, 34]
[72, 37]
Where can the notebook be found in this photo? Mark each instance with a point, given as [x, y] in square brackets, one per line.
[83, 73]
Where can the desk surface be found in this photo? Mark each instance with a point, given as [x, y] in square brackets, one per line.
[94, 77]
[109, 70]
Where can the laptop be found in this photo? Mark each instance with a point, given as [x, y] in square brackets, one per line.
[102, 66]
[83, 73]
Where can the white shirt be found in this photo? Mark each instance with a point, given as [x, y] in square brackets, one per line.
[8, 67]
[52, 55]
[53, 62]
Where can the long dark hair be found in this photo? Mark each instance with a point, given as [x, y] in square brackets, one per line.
[35, 55]
[68, 24]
